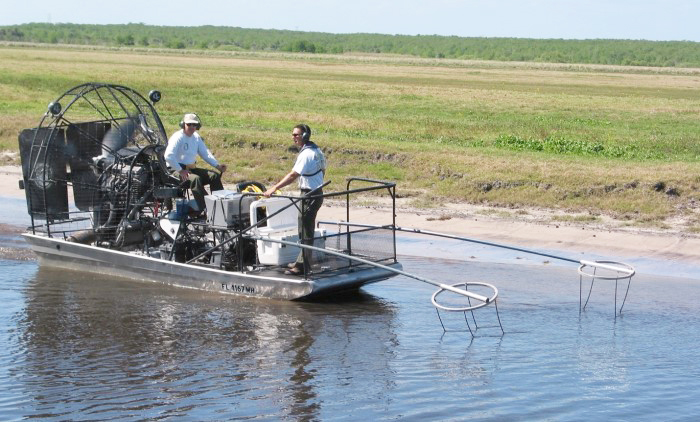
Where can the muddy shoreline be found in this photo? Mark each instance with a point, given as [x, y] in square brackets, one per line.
[460, 219]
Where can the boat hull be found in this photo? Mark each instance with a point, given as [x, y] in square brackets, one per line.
[75, 256]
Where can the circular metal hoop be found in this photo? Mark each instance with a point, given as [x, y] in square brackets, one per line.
[620, 269]
[481, 304]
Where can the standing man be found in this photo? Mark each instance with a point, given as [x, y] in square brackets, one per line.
[181, 154]
[309, 168]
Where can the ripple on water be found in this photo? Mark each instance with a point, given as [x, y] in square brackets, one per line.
[80, 346]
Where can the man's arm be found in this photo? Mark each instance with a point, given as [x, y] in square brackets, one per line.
[206, 155]
[286, 180]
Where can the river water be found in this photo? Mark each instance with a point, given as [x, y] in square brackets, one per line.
[82, 347]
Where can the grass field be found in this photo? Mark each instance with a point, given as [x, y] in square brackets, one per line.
[619, 141]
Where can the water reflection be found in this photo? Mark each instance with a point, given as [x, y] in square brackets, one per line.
[114, 347]
[599, 353]
[476, 364]
[81, 347]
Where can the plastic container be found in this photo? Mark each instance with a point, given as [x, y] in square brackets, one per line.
[227, 208]
[274, 253]
[183, 208]
[285, 220]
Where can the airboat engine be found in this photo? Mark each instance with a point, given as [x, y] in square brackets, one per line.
[110, 157]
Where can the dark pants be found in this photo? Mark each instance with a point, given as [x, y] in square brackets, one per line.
[307, 223]
[200, 178]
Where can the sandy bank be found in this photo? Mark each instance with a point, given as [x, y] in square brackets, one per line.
[529, 232]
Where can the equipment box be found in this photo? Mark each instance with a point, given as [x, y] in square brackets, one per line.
[226, 208]
[274, 253]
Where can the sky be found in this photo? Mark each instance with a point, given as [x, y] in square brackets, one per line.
[657, 20]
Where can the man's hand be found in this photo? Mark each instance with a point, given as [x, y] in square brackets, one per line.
[184, 175]
[221, 167]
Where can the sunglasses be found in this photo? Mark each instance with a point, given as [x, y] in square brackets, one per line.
[191, 124]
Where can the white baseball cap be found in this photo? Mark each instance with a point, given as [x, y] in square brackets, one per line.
[191, 118]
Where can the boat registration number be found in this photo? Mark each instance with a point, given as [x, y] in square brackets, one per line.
[238, 288]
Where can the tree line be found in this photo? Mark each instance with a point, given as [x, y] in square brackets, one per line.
[592, 51]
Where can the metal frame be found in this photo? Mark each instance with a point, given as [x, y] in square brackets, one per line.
[617, 271]
[55, 119]
[484, 301]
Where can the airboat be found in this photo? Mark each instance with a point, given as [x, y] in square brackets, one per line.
[102, 199]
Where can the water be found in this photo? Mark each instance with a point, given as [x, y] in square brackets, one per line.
[81, 347]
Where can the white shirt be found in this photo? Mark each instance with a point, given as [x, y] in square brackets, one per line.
[184, 149]
[309, 161]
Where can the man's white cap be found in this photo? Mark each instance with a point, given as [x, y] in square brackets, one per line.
[191, 118]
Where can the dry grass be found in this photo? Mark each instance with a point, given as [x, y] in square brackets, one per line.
[428, 124]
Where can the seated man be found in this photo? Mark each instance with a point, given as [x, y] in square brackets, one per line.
[181, 153]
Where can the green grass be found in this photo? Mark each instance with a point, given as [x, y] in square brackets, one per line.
[576, 218]
[576, 138]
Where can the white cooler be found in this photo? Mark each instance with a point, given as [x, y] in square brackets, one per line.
[285, 220]
[283, 226]
[273, 253]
